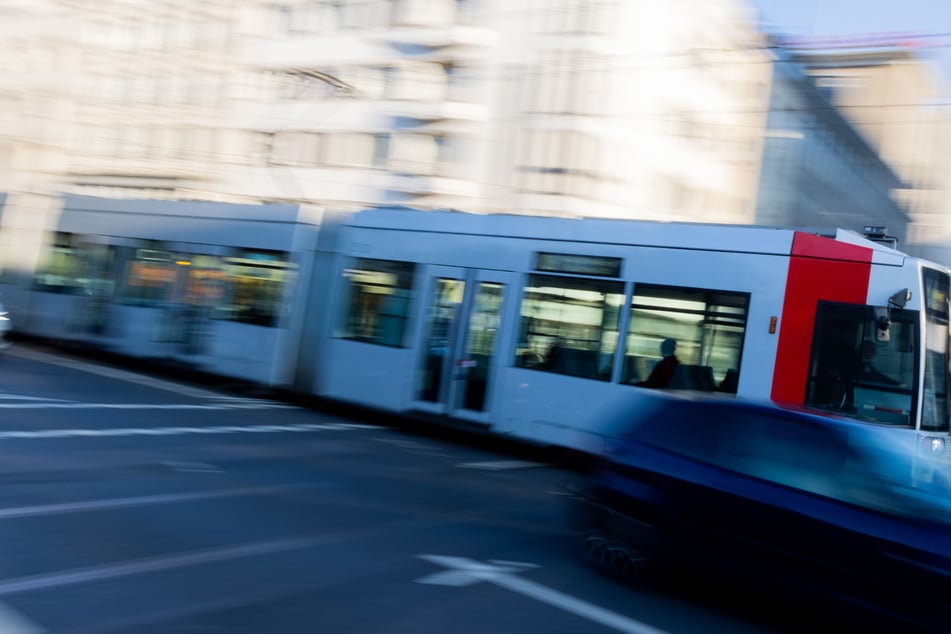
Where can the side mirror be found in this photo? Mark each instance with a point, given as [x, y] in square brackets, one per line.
[899, 299]
[883, 320]
[883, 324]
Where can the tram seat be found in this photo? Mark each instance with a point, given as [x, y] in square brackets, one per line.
[680, 379]
[700, 377]
[692, 377]
[685, 377]
[578, 362]
[637, 368]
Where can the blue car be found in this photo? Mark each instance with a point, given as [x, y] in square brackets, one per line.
[773, 498]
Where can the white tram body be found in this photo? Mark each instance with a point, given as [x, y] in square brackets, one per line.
[205, 284]
[522, 326]
[606, 289]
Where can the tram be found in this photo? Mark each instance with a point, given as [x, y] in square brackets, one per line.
[202, 284]
[455, 315]
[520, 326]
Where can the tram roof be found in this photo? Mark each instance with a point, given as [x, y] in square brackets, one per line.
[685, 235]
[271, 212]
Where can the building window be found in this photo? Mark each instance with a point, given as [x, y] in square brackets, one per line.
[412, 153]
[558, 162]
[295, 148]
[352, 150]
[381, 150]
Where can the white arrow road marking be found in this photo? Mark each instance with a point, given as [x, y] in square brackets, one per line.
[465, 572]
[12, 622]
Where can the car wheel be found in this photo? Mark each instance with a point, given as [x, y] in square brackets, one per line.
[616, 559]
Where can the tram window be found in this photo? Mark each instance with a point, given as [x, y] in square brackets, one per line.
[570, 325]
[707, 325]
[98, 275]
[149, 277]
[936, 295]
[379, 294]
[206, 284]
[853, 371]
[61, 268]
[935, 410]
[255, 285]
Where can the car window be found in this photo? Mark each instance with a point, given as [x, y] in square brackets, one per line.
[883, 477]
[687, 429]
[785, 450]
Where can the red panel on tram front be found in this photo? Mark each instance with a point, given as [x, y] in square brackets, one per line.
[819, 269]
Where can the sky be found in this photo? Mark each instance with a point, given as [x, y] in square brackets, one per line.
[854, 18]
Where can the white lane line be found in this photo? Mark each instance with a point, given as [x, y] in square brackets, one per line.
[501, 465]
[262, 405]
[21, 397]
[157, 564]
[174, 431]
[141, 500]
[190, 467]
[113, 373]
[160, 563]
[170, 406]
[12, 622]
[348, 426]
[49, 433]
[413, 447]
[464, 572]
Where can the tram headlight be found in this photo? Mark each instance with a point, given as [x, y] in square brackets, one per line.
[933, 444]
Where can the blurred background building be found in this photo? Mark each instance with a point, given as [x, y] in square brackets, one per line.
[817, 169]
[898, 100]
[658, 109]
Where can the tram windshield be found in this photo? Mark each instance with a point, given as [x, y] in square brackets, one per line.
[859, 369]
[935, 413]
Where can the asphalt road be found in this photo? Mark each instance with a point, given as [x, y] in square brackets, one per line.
[130, 503]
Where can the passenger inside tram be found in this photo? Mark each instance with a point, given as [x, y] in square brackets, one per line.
[664, 370]
[553, 356]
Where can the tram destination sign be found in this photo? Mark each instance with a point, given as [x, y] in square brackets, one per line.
[593, 265]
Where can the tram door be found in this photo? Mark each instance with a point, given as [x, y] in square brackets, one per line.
[92, 311]
[460, 340]
[195, 290]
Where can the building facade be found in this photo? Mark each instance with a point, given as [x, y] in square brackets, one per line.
[898, 99]
[817, 169]
[656, 109]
